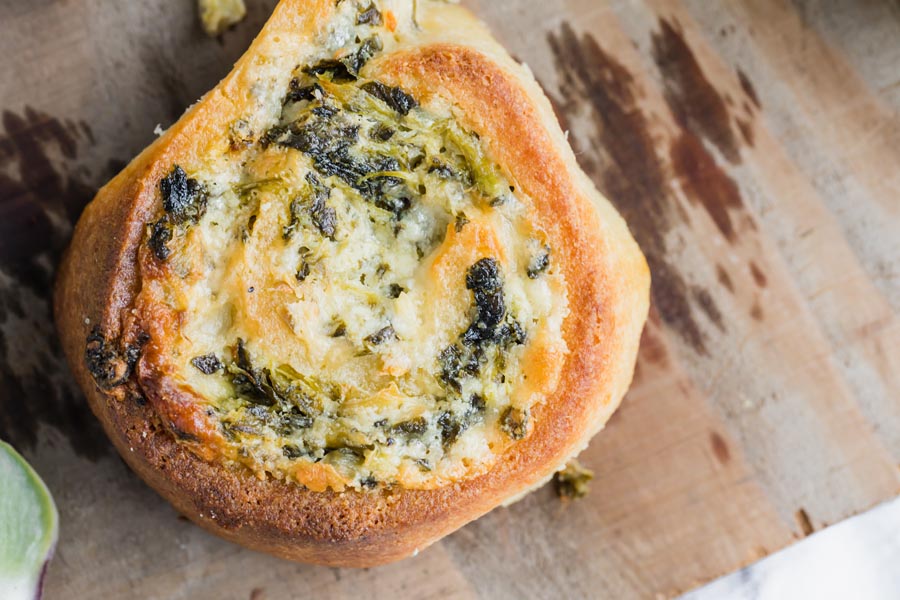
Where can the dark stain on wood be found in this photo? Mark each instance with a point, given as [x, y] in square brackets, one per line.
[696, 104]
[701, 112]
[748, 88]
[756, 312]
[708, 306]
[652, 350]
[747, 132]
[724, 278]
[758, 276]
[620, 155]
[719, 448]
[803, 520]
[704, 182]
[41, 194]
[38, 203]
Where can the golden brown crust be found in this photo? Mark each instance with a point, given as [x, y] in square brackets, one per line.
[607, 286]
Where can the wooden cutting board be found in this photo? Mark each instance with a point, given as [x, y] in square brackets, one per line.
[754, 149]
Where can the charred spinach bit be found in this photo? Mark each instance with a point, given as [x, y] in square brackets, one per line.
[394, 290]
[539, 263]
[492, 323]
[184, 202]
[385, 334]
[369, 16]
[477, 403]
[272, 135]
[369, 482]
[183, 198]
[345, 69]
[461, 221]
[108, 366]
[483, 278]
[298, 93]
[207, 363]
[423, 464]
[514, 422]
[394, 97]
[161, 233]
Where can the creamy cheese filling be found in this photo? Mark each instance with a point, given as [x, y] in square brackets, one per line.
[362, 301]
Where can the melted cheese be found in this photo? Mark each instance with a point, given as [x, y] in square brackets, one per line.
[328, 283]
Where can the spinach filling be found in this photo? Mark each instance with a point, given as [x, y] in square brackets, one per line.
[109, 364]
[328, 135]
[184, 202]
[484, 344]
[371, 144]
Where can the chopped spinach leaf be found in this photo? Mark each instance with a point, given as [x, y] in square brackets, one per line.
[291, 451]
[539, 263]
[183, 198]
[347, 68]
[298, 93]
[394, 290]
[207, 364]
[161, 233]
[369, 16]
[416, 426]
[385, 334]
[514, 422]
[483, 278]
[394, 97]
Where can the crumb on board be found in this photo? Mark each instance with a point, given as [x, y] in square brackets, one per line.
[218, 15]
[572, 481]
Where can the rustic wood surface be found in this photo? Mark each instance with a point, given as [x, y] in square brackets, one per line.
[754, 148]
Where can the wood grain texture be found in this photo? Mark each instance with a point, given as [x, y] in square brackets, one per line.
[753, 148]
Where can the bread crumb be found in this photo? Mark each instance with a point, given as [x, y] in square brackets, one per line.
[572, 481]
[218, 15]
